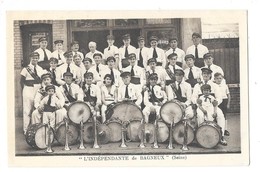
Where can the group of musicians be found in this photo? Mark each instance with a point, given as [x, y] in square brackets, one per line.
[147, 76]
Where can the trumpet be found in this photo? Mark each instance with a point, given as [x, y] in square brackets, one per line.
[143, 135]
[49, 149]
[66, 146]
[155, 143]
[96, 146]
[123, 130]
[81, 146]
[170, 146]
[185, 137]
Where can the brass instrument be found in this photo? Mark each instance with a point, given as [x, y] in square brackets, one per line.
[185, 137]
[170, 146]
[81, 146]
[66, 147]
[96, 146]
[155, 143]
[123, 135]
[143, 135]
[49, 149]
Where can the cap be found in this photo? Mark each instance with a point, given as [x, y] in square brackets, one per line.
[42, 39]
[131, 55]
[68, 74]
[111, 58]
[68, 54]
[153, 38]
[34, 54]
[189, 56]
[196, 34]
[110, 37]
[88, 74]
[153, 76]
[46, 75]
[74, 42]
[207, 55]
[151, 60]
[126, 36]
[174, 38]
[108, 75]
[205, 87]
[53, 59]
[48, 87]
[172, 55]
[179, 72]
[207, 70]
[58, 41]
[124, 74]
[87, 60]
[97, 54]
[140, 38]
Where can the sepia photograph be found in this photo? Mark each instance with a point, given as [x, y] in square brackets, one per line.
[134, 88]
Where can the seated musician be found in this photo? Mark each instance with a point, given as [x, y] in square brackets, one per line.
[181, 91]
[88, 68]
[41, 93]
[192, 73]
[206, 79]
[71, 91]
[92, 93]
[49, 104]
[154, 98]
[108, 94]
[128, 91]
[170, 69]
[137, 73]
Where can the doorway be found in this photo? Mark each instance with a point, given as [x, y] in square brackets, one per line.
[134, 33]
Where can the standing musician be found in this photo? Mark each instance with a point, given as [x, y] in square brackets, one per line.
[181, 91]
[92, 93]
[30, 82]
[170, 69]
[174, 49]
[58, 53]
[44, 53]
[108, 94]
[142, 53]
[111, 50]
[154, 97]
[69, 67]
[157, 53]
[128, 91]
[93, 50]
[124, 52]
[75, 49]
[192, 74]
[41, 93]
[53, 70]
[87, 62]
[71, 91]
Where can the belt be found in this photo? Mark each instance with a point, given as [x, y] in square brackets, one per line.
[29, 83]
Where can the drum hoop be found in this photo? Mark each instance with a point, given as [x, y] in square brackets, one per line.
[189, 126]
[172, 101]
[44, 125]
[73, 103]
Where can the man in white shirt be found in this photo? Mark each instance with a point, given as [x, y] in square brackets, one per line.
[124, 52]
[93, 50]
[170, 69]
[75, 49]
[157, 53]
[174, 49]
[197, 49]
[142, 53]
[111, 50]
[44, 53]
[98, 64]
[58, 53]
[89, 68]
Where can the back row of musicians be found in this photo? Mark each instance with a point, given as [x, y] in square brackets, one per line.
[127, 73]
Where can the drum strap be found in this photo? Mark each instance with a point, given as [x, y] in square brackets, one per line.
[34, 75]
[170, 74]
[69, 97]
[179, 97]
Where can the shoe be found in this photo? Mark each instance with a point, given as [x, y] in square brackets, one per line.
[226, 133]
[223, 141]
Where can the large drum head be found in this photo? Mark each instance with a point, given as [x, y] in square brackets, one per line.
[103, 134]
[126, 111]
[162, 132]
[171, 112]
[72, 133]
[149, 131]
[77, 111]
[208, 135]
[115, 127]
[88, 132]
[178, 133]
[133, 130]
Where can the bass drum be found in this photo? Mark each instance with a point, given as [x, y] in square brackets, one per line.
[73, 133]
[162, 132]
[149, 131]
[171, 111]
[88, 136]
[132, 130]
[178, 133]
[78, 111]
[125, 111]
[208, 134]
[37, 136]
[115, 126]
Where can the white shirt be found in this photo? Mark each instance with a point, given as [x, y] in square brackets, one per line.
[96, 77]
[56, 54]
[158, 92]
[90, 55]
[133, 93]
[159, 71]
[117, 78]
[80, 53]
[215, 69]
[195, 70]
[180, 54]
[54, 101]
[224, 90]
[121, 51]
[75, 70]
[41, 52]
[161, 55]
[144, 52]
[185, 91]
[27, 75]
[109, 96]
[201, 50]
[94, 92]
[113, 51]
[77, 92]
[167, 77]
[139, 73]
[208, 102]
[101, 68]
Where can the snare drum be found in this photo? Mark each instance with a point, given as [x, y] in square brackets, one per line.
[72, 132]
[178, 133]
[78, 111]
[132, 131]
[115, 126]
[208, 134]
[171, 111]
[37, 136]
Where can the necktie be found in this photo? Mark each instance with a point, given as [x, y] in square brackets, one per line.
[59, 56]
[132, 71]
[53, 74]
[112, 75]
[97, 68]
[179, 95]
[152, 70]
[35, 71]
[173, 68]
[49, 100]
[108, 48]
[75, 52]
[126, 52]
[191, 74]
[154, 53]
[126, 92]
[173, 50]
[209, 66]
[140, 61]
[68, 68]
[196, 52]
[88, 92]
[153, 95]
[207, 97]
[45, 55]
[70, 90]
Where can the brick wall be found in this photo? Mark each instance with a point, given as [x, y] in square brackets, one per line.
[235, 99]
[59, 29]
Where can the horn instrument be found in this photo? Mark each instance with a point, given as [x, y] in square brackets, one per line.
[49, 148]
[143, 135]
[81, 146]
[170, 146]
[185, 137]
[123, 131]
[66, 146]
[96, 146]
[155, 143]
